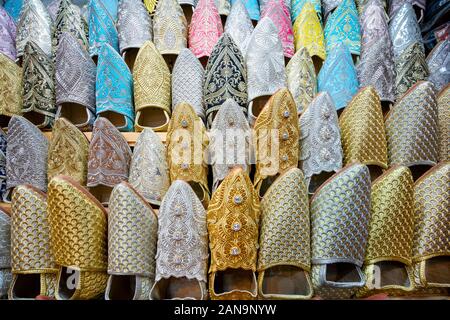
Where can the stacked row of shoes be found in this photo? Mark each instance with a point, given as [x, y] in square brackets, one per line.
[284, 150]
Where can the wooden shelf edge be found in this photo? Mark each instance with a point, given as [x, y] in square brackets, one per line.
[131, 137]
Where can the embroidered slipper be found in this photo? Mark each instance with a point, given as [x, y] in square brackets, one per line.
[309, 34]
[5, 252]
[187, 82]
[11, 99]
[114, 89]
[230, 141]
[132, 234]
[78, 239]
[109, 160]
[412, 129]
[149, 173]
[102, 26]
[443, 101]
[277, 139]
[182, 256]
[340, 216]
[205, 29]
[170, 30]
[284, 258]
[363, 133]
[219, 85]
[410, 68]
[239, 26]
[68, 152]
[33, 267]
[35, 25]
[320, 142]
[338, 76]
[134, 26]
[431, 249]
[26, 155]
[389, 247]
[265, 52]
[342, 26]
[233, 225]
[187, 143]
[376, 67]
[278, 12]
[68, 18]
[75, 75]
[301, 79]
[151, 89]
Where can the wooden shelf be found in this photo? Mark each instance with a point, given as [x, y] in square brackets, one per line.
[131, 137]
[7, 207]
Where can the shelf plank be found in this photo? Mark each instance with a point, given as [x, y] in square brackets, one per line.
[7, 207]
[131, 137]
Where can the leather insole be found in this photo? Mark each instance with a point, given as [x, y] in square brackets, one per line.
[393, 273]
[4, 121]
[170, 60]
[437, 270]
[27, 286]
[234, 279]
[101, 193]
[177, 288]
[342, 272]
[317, 180]
[152, 117]
[258, 104]
[34, 117]
[386, 107]
[203, 61]
[117, 119]
[198, 190]
[265, 185]
[122, 287]
[187, 10]
[75, 113]
[375, 171]
[67, 283]
[286, 60]
[418, 170]
[130, 57]
[288, 280]
[318, 62]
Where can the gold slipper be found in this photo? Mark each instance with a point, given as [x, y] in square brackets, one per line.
[233, 226]
[363, 133]
[68, 152]
[33, 267]
[443, 101]
[151, 89]
[187, 142]
[412, 130]
[431, 249]
[389, 248]
[284, 259]
[277, 139]
[78, 237]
